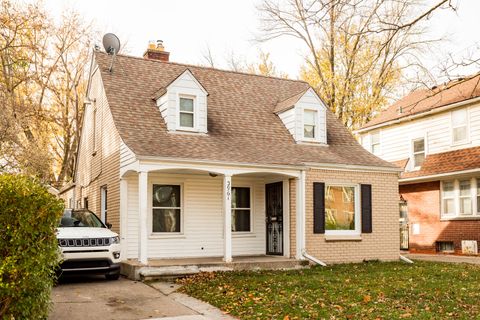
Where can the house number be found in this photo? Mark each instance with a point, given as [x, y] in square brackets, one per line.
[228, 190]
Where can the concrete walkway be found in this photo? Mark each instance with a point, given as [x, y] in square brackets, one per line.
[94, 297]
[443, 258]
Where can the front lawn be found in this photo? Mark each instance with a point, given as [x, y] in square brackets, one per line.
[393, 290]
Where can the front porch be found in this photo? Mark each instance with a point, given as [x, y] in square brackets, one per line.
[176, 268]
[173, 213]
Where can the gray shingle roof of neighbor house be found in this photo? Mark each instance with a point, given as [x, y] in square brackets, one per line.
[242, 124]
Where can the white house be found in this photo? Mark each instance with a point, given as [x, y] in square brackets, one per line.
[199, 162]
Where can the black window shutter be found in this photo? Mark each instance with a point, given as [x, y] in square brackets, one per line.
[366, 195]
[318, 207]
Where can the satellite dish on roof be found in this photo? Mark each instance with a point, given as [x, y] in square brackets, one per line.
[111, 43]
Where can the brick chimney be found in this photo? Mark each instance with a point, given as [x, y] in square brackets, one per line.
[156, 51]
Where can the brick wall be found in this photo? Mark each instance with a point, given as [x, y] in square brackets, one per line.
[423, 200]
[382, 244]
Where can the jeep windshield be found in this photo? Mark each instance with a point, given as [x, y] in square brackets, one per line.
[80, 218]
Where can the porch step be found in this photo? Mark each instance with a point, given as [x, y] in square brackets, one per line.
[168, 272]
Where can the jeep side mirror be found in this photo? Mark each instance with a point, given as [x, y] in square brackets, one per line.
[109, 225]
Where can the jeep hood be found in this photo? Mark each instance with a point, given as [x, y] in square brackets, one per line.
[84, 232]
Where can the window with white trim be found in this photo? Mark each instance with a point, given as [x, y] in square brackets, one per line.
[465, 197]
[459, 126]
[309, 124]
[166, 208]
[461, 198]
[375, 143]
[241, 209]
[418, 152]
[342, 211]
[448, 197]
[187, 112]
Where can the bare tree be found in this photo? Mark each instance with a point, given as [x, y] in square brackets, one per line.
[42, 85]
[356, 50]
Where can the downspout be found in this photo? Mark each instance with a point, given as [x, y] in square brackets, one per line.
[303, 252]
[405, 259]
[313, 259]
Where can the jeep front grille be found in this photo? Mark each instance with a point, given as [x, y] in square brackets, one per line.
[92, 242]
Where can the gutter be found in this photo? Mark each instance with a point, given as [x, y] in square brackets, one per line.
[436, 176]
[418, 115]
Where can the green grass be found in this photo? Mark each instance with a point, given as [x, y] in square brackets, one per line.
[375, 290]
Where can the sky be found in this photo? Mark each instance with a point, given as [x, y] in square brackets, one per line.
[188, 27]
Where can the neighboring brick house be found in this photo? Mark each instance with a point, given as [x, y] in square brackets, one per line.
[200, 162]
[434, 136]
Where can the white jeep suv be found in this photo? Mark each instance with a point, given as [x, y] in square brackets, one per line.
[87, 245]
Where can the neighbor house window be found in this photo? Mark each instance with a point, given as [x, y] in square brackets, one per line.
[309, 124]
[448, 195]
[459, 126]
[461, 198]
[187, 112]
[241, 209]
[375, 143]
[103, 204]
[166, 207]
[465, 197]
[478, 196]
[418, 152]
[341, 212]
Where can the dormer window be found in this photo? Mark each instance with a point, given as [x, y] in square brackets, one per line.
[186, 112]
[183, 104]
[305, 116]
[309, 124]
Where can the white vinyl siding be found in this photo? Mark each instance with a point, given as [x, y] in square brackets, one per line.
[126, 155]
[436, 129]
[169, 104]
[202, 233]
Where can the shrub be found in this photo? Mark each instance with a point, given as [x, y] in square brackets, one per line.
[28, 247]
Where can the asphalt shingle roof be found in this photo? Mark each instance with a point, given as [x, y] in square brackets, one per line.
[242, 124]
[445, 162]
[424, 100]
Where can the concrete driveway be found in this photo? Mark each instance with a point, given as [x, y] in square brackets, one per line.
[96, 298]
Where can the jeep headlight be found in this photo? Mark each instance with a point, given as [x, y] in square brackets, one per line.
[115, 240]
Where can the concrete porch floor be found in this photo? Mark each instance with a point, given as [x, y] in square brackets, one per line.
[175, 268]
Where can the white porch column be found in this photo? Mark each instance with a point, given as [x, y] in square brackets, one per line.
[123, 217]
[142, 211]
[300, 215]
[227, 210]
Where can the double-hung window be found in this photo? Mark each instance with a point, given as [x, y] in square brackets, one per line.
[342, 214]
[465, 197]
[166, 208]
[309, 124]
[459, 126]
[187, 112]
[461, 198]
[375, 143]
[448, 197]
[418, 152]
[241, 209]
